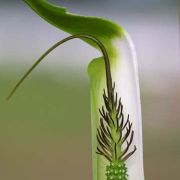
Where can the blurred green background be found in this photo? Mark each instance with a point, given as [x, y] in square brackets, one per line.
[45, 128]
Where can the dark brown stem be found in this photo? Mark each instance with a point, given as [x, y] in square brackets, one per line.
[82, 36]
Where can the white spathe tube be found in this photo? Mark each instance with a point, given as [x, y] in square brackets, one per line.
[125, 74]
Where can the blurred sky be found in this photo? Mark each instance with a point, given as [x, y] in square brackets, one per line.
[152, 24]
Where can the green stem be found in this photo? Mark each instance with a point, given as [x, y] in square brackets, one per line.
[83, 36]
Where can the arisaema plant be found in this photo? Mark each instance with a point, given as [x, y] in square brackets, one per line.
[115, 101]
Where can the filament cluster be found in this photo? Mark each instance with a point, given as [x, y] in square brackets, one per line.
[114, 136]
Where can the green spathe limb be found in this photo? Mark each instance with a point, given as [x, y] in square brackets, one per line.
[106, 31]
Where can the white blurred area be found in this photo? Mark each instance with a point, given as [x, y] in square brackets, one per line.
[153, 26]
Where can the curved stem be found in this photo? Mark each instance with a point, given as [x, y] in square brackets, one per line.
[84, 36]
